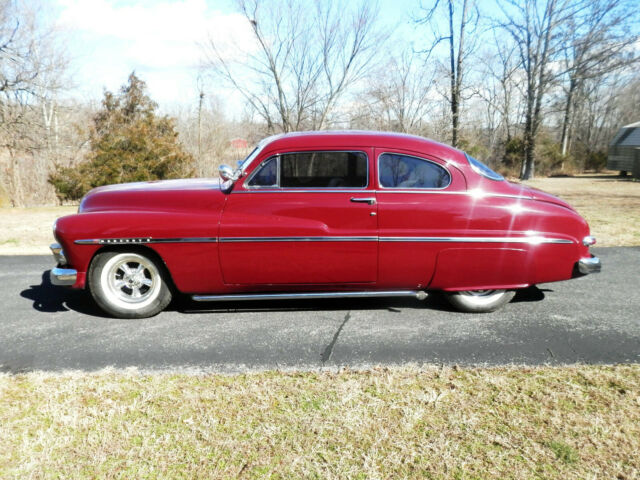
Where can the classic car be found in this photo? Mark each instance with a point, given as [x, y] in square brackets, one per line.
[322, 215]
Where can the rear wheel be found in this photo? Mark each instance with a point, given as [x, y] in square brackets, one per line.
[128, 284]
[480, 301]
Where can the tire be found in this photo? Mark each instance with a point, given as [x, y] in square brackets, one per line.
[480, 301]
[128, 284]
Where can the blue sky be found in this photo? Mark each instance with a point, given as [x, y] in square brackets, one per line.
[159, 40]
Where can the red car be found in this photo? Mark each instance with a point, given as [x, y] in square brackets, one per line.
[322, 215]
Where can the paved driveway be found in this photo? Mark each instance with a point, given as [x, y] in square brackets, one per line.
[595, 319]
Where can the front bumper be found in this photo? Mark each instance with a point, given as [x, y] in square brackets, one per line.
[65, 277]
[589, 265]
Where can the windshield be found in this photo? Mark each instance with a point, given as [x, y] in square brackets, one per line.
[254, 153]
[483, 170]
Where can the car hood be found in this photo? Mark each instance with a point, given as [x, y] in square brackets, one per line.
[154, 196]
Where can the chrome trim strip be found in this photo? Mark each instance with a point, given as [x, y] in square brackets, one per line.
[419, 294]
[63, 277]
[143, 240]
[530, 240]
[589, 265]
[297, 239]
[534, 240]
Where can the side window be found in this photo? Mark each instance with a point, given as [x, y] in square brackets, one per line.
[402, 171]
[323, 170]
[267, 174]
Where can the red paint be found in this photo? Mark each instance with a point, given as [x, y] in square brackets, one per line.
[471, 207]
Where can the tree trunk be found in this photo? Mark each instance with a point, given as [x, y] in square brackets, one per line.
[567, 117]
[454, 92]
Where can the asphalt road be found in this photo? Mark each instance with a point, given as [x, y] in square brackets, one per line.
[594, 319]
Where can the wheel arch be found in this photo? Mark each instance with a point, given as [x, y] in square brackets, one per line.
[143, 250]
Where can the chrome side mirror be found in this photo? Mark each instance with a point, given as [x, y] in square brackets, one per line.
[227, 173]
[228, 176]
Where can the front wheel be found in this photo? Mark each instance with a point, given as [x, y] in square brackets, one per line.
[128, 284]
[480, 301]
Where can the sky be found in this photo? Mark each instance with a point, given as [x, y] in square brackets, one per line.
[161, 40]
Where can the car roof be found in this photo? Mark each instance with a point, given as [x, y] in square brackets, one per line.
[362, 138]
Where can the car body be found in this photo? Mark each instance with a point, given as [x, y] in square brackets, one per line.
[322, 214]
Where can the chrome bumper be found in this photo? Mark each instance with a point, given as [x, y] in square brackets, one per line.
[63, 276]
[58, 253]
[589, 265]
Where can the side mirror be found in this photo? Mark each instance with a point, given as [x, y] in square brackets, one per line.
[227, 173]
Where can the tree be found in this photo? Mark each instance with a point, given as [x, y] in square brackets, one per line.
[536, 28]
[399, 95]
[129, 142]
[32, 70]
[305, 59]
[600, 44]
[460, 26]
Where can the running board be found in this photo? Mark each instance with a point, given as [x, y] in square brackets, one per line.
[419, 294]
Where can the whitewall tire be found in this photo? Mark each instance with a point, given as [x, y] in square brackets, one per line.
[128, 284]
[480, 301]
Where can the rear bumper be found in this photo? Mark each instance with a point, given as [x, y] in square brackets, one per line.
[589, 265]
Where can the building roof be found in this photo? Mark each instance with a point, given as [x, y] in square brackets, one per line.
[627, 136]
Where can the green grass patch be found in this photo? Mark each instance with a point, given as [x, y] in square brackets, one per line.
[570, 422]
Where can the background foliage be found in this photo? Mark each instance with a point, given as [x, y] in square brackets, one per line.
[129, 142]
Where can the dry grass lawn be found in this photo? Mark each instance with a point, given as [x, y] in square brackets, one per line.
[611, 206]
[609, 203]
[577, 422]
[27, 231]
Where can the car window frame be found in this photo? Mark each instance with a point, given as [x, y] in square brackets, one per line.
[311, 189]
[429, 189]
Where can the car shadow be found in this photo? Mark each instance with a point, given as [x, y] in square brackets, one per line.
[530, 294]
[434, 301]
[49, 298]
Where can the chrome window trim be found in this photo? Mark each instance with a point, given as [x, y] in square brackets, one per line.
[258, 168]
[476, 169]
[143, 240]
[389, 190]
[254, 189]
[416, 189]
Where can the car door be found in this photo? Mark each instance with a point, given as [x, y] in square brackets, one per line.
[416, 198]
[304, 217]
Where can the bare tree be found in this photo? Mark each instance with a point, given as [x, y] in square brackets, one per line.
[460, 44]
[304, 60]
[602, 37]
[536, 26]
[401, 95]
[32, 67]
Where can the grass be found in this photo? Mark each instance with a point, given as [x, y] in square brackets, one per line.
[28, 230]
[405, 422]
[609, 203]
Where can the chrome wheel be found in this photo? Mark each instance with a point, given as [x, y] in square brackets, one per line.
[130, 281]
[480, 301]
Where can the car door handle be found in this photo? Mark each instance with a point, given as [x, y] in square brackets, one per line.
[369, 200]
